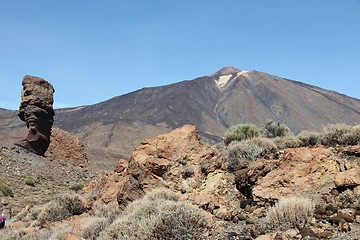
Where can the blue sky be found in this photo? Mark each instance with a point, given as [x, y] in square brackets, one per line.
[92, 50]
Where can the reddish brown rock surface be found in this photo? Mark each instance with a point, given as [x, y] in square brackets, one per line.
[66, 147]
[36, 109]
[301, 170]
[349, 178]
[179, 161]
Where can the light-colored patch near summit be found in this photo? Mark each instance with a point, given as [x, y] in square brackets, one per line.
[221, 82]
[224, 79]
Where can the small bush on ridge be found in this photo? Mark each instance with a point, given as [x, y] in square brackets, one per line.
[250, 149]
[308, 138]
[241, 132]
[275, 129]
[335, 134]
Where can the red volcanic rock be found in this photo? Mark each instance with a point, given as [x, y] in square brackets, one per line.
[66, 147]
[301, 170]
[349, 178]
[36, 109]
[178, 161]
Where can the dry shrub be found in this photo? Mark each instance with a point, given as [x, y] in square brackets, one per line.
[335, 134]
[109, 211]
[94, 226]
[287, 142]
[159, 215]
[348, 199]
[250, 149]
[62, 208]
[12, 233]
[54, 233]
[308, 138]
[353, 137]
[161, 194]
[291, 212]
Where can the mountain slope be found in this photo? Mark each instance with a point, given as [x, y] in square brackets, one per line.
[111, 129]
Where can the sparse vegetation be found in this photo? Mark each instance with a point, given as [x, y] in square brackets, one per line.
[288, 141]
[291, 212]
[250, 149]
[158, 216]
[308, 138]
[241, 132]
[76, 186]
[188, 172]
[94, 226]
[275, 129]
[62, 208]
[109, 211]
[335, 134]
[29, 181]
[5, 189]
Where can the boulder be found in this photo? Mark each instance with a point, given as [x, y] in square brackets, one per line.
[36, 109]
[349, 178]
[66, 147]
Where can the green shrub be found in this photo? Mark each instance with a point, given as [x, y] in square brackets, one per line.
[308, 138]
[5, 189]
[157, 216]
[241, 132]
[275, 129]
[76, 186]
[29, 181]
[291, 212]
[62, 208]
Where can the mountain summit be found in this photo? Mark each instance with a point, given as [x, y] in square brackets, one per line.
[230, 96]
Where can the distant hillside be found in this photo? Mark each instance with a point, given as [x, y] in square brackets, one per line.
[111, 129]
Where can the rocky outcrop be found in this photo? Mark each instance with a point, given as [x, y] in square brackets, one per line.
[36, 109]
[300, 171]
[179, 161]
[67, 148]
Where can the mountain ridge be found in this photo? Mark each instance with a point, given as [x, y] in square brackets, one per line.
[112, 128]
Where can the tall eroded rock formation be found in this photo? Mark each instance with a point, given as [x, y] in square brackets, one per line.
[36, 109]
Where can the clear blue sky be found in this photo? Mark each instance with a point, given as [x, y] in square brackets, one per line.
[92, 50]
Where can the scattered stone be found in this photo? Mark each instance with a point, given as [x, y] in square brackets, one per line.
[344, 226]
[335, 192]
[331, 208]
[245, 202]
[249, 209]
[346, 214]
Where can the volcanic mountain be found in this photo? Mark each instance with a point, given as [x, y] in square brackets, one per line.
[111, 129]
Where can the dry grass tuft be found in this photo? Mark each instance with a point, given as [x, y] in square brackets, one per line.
[292, 212]
[159, 215]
